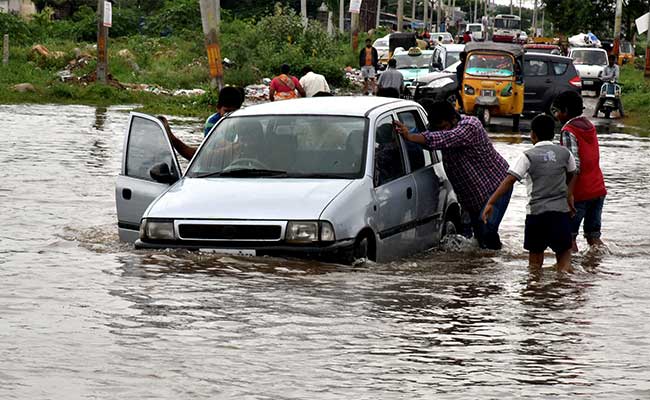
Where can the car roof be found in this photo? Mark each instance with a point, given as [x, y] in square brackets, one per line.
[351, 106]
[546, 56]
[454, 47]
[422, 52]
[514, 49]
[588, 49]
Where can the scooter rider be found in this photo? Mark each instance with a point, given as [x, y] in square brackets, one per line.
[610, 74]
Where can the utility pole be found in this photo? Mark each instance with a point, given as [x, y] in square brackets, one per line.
[521, 4]
[425, 14]
[413, 4]
[378, 13]
[303, 12]
[355, 10]
[102, 42]
[617, 28]
[5, 49]
[543, 12]
[475, 10]
[534, 18]
[646, 73]
[400, 15]
[438, 16]
[210, 20]
[342, 16]
[511, 10]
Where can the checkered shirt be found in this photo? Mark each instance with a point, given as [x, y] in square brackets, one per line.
[474, 167]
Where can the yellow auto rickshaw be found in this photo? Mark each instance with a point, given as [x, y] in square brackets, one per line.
[493, 81]
[625, 53]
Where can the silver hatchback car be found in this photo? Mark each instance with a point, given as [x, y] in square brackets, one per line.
[315, 177]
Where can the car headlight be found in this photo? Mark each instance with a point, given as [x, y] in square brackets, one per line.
[468, 90]
[157, 230]
[309, 232]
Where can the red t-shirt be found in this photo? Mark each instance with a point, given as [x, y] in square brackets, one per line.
[278, 86]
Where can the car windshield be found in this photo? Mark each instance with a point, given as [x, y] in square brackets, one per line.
[498, 65]
[406, 61]
[452, 57]
[589, 57]
[503, 23]
[475, 28]
[288, 146]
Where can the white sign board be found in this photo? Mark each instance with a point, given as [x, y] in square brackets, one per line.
[108, 14]
[355, 6]
[642, 23]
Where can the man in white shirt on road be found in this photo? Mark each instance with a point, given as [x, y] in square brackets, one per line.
[313, 82]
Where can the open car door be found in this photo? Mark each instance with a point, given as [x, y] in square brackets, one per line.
[146, 146]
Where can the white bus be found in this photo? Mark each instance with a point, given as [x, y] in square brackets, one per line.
[506, 28]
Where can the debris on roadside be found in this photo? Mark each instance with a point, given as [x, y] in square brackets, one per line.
[23, 88]
[45, 52]
[258, 93]
[188, 92]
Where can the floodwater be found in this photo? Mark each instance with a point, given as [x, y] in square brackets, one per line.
[85, 317]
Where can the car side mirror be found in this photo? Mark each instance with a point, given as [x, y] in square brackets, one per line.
[161, 173]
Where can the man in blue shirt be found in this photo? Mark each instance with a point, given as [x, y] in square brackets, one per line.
[230, 99]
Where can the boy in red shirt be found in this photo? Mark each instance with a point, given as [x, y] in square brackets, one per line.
[579, 136]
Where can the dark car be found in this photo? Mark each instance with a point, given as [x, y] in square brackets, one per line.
[545, 76]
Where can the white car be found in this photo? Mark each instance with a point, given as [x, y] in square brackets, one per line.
[317, 177]
[590, 63]
[477, 31]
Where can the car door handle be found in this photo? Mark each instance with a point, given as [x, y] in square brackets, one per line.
[126, 194]
[409, 193]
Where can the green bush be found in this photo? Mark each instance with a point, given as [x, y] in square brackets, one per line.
[15, 27]
[175, 17]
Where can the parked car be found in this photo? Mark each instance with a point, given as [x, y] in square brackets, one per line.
[412, 64]
[590, 63]
[477, 31]
[444, 55]
[317, 177]
[545, 76]
[446, 38]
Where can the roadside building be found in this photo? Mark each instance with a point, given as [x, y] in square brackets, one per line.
[24, 8]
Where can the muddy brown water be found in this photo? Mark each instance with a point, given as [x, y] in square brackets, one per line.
[85, 317]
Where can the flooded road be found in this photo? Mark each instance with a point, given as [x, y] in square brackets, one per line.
[85, 317]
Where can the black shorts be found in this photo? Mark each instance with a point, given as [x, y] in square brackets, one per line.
[550, 229]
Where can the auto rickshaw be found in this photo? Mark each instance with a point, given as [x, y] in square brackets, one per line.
[493, 81]
[625, 53]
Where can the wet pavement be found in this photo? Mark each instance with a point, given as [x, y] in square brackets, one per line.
[85, 317]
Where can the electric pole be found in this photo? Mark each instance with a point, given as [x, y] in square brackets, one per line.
[400, 15]
[413, 4]
[438, 16]
[342, 16]
[303, 12]
[211, 19]
[378, 14]
[617, 28]
[425, 14]
[102, 43]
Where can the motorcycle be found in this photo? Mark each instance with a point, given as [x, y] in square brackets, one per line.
[610, 98]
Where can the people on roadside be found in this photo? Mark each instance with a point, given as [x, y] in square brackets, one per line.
[611, 73]
[467, 37]
[230, 99]
[285, 86]
[474, 167]
[312, 82]
[368, 62]
[579, 136]
[549, 172]
[391, 78]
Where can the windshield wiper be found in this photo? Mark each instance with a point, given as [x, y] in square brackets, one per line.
[244, 172]
[321, 176]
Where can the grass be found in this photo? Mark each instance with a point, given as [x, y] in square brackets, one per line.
[636, 97]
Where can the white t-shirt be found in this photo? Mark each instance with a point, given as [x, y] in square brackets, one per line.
[314, 83]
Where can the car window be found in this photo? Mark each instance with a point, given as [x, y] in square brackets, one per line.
[298, 146]
[535, 68]
[147, 147]
[490, 65]
[560, 68]
[389, 164]
[589, 57]
[418, 156]
[452, 57]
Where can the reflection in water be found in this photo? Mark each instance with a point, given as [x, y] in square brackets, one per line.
[85, 315]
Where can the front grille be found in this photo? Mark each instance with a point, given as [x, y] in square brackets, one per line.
[229, 232]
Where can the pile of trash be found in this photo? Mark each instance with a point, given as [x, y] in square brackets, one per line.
[354, 76]
[258, 93]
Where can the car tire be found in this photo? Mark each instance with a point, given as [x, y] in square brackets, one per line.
[483, 114]
[358, 252]
[449, 228]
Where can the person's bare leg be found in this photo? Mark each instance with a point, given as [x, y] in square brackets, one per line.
[365, 86]
[564, 261]
[574, 246]
[535, 260]
[373, 87]
[595, 242]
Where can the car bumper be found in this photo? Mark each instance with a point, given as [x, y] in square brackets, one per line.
[335, 250]
[591, 83]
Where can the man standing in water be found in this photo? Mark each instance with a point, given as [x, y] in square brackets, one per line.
[474, 167]
[579, 136]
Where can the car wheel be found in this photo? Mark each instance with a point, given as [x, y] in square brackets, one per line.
[359, 253]
[483, 114]
[449, 228]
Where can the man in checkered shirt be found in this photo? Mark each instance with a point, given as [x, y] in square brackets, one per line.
[474, 167]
